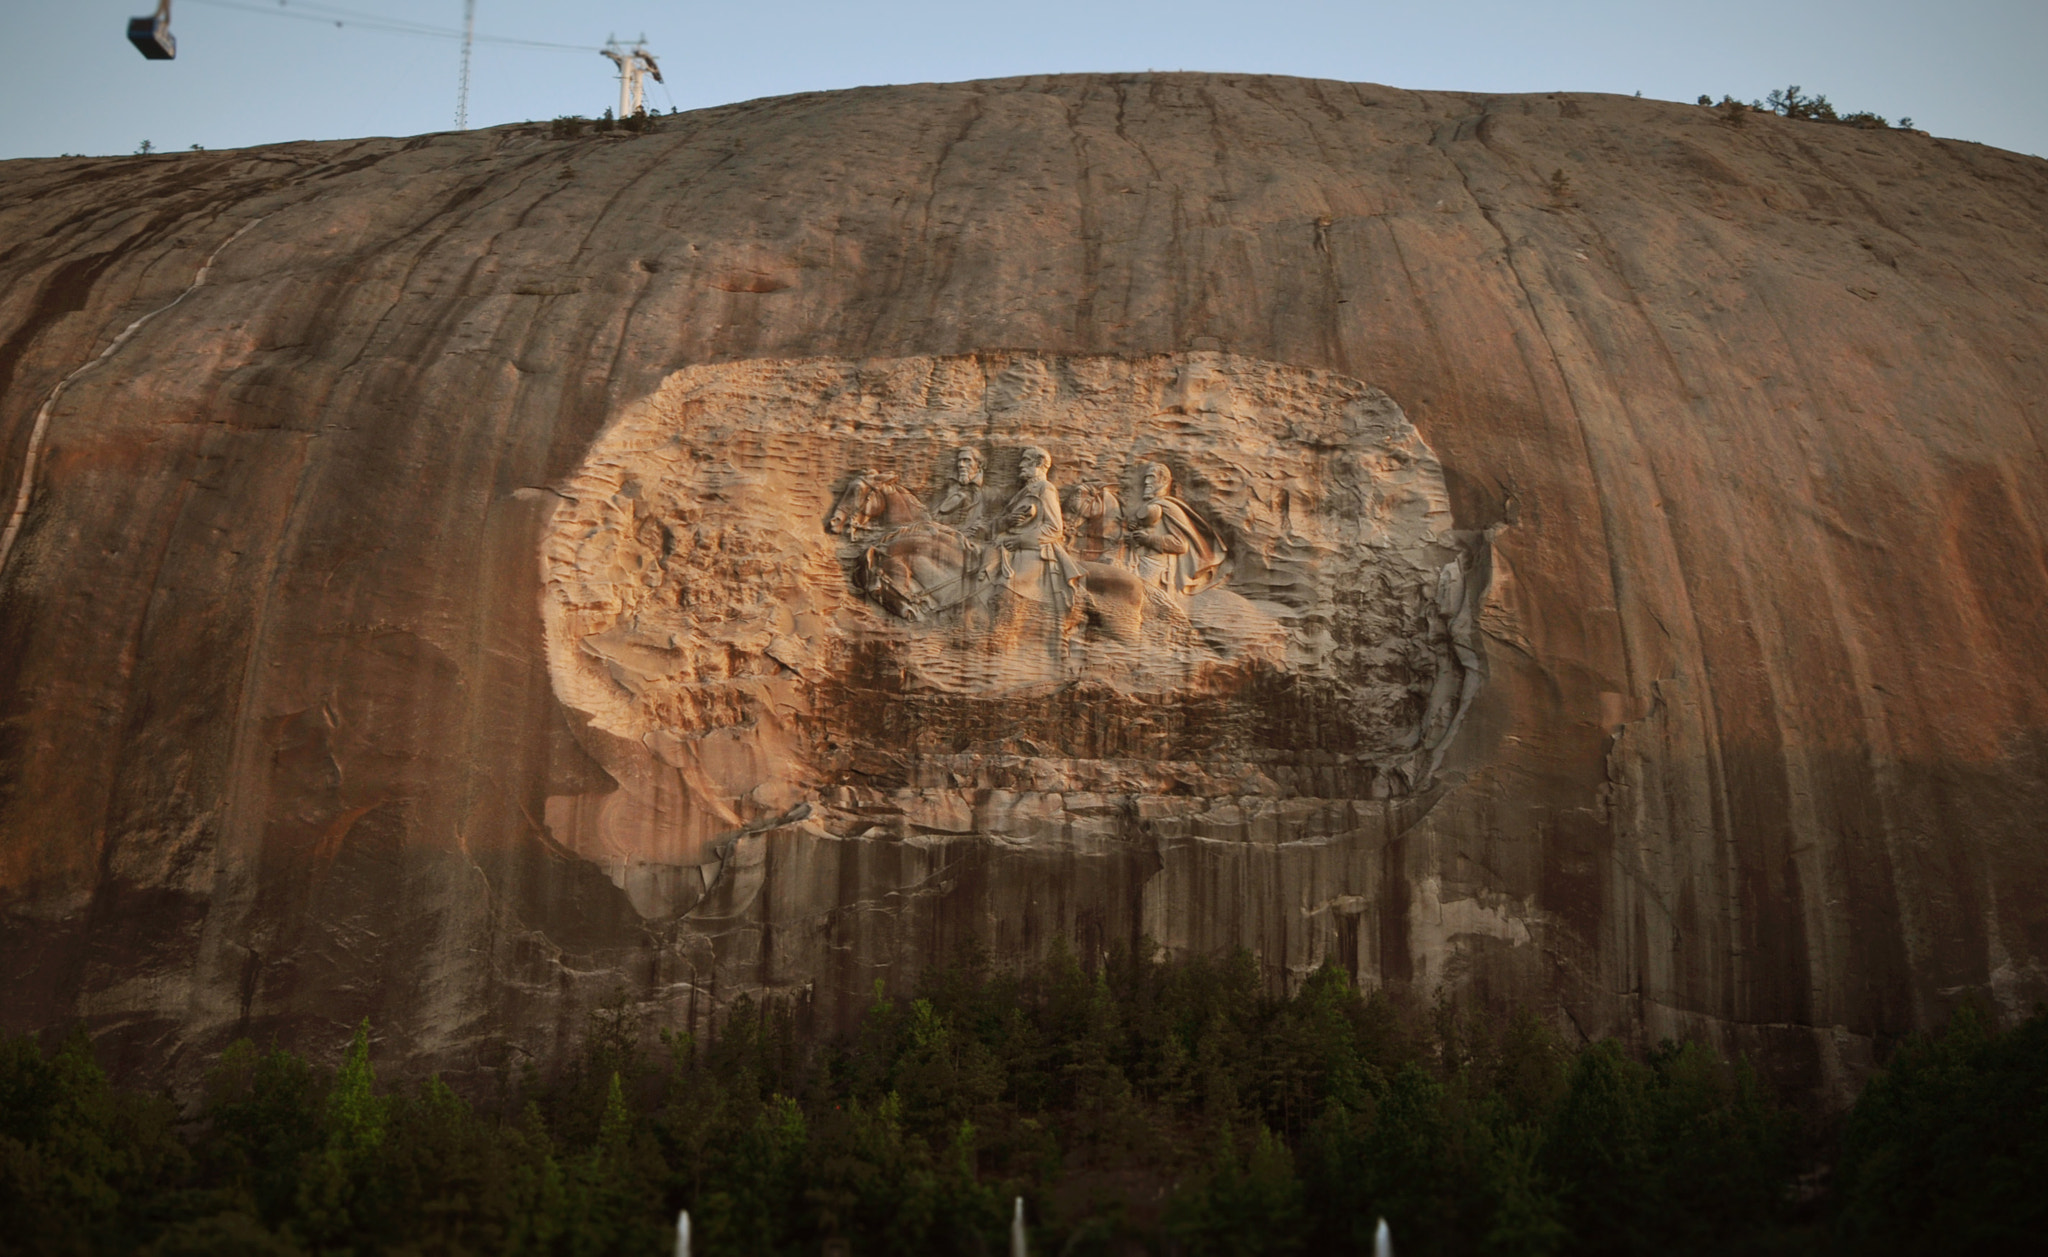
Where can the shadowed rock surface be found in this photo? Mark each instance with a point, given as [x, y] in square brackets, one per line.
[1739, 428]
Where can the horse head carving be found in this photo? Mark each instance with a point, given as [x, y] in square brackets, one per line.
[874, 499]
[1098, 518]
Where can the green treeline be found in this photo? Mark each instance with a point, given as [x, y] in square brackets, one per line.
[1137, 1106]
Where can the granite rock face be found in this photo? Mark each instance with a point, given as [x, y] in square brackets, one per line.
[1561, 549]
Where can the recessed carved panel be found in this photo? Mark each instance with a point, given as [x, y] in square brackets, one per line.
[823, 591]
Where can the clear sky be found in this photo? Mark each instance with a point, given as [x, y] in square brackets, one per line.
[257, 71]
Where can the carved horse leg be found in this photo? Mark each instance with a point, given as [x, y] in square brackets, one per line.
[916, 575]
[1114, 598]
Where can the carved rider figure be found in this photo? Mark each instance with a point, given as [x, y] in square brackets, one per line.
[962, 504]
[1176, 548]
[1032, 523]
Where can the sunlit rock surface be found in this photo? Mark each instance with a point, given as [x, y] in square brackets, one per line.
[1610, 579]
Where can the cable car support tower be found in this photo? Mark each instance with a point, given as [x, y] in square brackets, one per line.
[636, 65]
[462, 90]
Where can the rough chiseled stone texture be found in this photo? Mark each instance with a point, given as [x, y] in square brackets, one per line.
[728, 633]
[1739, 426]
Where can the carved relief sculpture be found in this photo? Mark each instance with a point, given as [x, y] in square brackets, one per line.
[1034, 528]
[960, 506]
[781, 593]
[1178, 551]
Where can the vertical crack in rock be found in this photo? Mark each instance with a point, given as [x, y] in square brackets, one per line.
[40, 429]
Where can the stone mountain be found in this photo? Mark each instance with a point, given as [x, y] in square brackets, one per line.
[1561, 549]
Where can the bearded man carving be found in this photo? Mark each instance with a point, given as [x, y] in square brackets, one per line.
[1176, 548]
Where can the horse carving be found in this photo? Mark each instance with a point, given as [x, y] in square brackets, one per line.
[919, 572]
[917, 567]
[1100, 535]
[1109, 597]
[874, 499]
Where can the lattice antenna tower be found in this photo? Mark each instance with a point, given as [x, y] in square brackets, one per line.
[462, 90]
[636, 65]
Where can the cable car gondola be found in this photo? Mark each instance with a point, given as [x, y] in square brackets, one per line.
[152, 35]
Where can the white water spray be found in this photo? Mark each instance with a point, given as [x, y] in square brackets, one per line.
[683, 1234]
[1382, 1241]
[1017, 1230]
